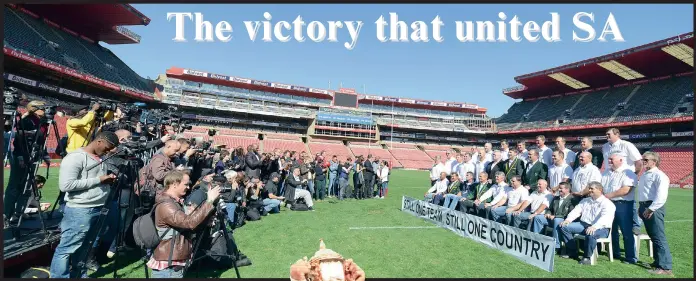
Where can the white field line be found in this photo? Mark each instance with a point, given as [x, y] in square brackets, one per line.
[680, 221]
[391, 227]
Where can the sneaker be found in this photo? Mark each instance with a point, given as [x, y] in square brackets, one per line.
[585, 261]
[382, 197]
[110, 254]
[243, 262]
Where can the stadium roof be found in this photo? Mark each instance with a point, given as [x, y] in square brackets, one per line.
[211, 78]
[99, 22]
[670, 56]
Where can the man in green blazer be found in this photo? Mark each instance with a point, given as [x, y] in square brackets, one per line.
[559, 210]
[534, 171]
[467, 202]
[513, 166]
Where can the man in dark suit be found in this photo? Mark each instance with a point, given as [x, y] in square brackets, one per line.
[495, 165]
[554, 216]
[467, 204]
[514, 166]
[597, 157]
[534, 171]
[369, 176]
[253, 162]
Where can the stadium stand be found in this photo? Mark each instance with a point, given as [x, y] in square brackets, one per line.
[42, 38]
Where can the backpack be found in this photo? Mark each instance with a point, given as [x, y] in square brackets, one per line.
[253, 214]
[145, 231]
[299, 205]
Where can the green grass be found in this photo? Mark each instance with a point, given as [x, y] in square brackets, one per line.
[276, 241]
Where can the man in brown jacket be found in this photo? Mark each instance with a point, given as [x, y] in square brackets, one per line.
[171, 255]
[161, 164]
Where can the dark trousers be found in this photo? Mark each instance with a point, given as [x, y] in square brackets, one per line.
[320, 187]
[655, 226]
[357, 187]
[368, 185]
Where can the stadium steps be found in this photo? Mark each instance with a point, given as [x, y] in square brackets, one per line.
[688, 179]
[616, 112]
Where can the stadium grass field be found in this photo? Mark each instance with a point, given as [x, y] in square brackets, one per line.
[421, 250]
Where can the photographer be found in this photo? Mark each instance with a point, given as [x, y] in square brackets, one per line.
[294, 191]
[79, 128]
[152, 175]
[319, 178]
[221, 165]
[271, 202]
[237, 162]
[170, 256]
[86, 192]
[15, 199]
[184, 153]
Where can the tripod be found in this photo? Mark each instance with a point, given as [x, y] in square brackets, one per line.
[222, 223]
[35, 153]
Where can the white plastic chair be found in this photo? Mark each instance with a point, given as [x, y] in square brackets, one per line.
[648, 242]
[601, 242]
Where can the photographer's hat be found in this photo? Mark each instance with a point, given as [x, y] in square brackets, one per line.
[274, 175]
[206, 172]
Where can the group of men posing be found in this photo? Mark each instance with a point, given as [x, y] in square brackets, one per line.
[564, 190]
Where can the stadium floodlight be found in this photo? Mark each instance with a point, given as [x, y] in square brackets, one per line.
[682, 52]
[619, 69]
[570, 81]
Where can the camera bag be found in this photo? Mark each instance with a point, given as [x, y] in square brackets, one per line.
[145, 231]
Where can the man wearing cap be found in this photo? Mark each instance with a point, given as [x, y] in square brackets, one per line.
[15, 199]
[79, 128]
[271, 202]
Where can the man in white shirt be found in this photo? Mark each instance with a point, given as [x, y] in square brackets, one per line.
[465, 166]
[504, 149]
[596, 214]
[633, 161]
[615, 143]
[653, 188]
[559, 172]
[522, 152]
[499, 193]
[586, 173]
[438, 189]
[437, 169]
[450, 162]
[535, 205]
[514, 200]
[481, 163]
[568, 154]
[619, 181]
[544, 151]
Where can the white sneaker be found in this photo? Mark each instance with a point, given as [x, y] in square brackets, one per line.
[381, 197]
[110, 254]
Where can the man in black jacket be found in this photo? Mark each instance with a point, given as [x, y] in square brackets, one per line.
[369, 175]
[556, 213]
[597, 157]
[293, 189]
[253, 162]
[495, 165]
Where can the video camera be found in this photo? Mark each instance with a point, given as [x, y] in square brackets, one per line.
[104, 105]
[12, 98]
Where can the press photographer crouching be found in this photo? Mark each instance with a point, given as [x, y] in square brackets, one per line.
[86, 192]
[295, 192]
[175, 226]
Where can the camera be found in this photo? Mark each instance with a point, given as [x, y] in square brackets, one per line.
[49, 111]
[103, 106]
[11, 102]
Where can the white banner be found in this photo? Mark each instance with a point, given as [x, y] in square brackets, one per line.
[532, 248]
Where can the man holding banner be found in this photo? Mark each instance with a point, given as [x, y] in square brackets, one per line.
[596, 215]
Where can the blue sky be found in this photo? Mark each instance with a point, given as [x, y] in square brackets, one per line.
[470, 72]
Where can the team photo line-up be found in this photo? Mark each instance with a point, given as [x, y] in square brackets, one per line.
[565, 191]
[177, 180]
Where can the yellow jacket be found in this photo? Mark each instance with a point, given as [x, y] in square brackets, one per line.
[78, 130]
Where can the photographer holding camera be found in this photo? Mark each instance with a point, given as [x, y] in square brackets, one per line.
[271, 202]
[152, 175]
[174, 225]
[15, 199]
[80, 127]
[86, 192]
[237, 162]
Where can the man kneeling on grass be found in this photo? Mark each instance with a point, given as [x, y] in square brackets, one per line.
[596, 215]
